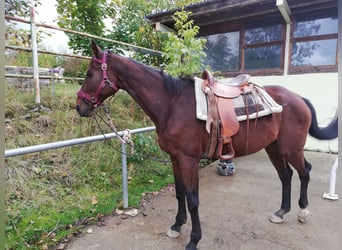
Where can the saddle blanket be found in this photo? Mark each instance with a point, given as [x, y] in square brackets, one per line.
[259, 103]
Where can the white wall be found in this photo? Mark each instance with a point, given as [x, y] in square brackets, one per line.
[321, 89]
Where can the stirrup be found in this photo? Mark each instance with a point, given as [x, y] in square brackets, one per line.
[225, 141]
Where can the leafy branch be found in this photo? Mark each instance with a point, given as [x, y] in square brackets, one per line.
[183, 52]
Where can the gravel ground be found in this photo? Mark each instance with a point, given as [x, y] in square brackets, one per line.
[234, 212]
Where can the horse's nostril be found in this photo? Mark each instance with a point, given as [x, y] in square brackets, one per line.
[77, 108]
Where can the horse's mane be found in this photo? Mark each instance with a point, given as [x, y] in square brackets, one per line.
[173, 84]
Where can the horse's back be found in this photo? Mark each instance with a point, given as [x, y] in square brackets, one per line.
[289, 128]
[292, 103]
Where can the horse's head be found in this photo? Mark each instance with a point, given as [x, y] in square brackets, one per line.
[99, 83]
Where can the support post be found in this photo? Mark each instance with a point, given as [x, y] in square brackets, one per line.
[124, 175]
[284, 10]
[35, 57]
[331, 195]
[53, 84]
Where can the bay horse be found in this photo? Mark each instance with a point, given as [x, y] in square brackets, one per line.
[170, 103]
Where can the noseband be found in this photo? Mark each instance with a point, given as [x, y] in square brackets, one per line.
[93, 99]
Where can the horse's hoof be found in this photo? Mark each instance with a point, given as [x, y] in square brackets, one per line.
[276, 219]
[191, 246]
[304, 215]
[173, 234]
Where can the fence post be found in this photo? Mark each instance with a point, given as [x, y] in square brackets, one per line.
[53, 84]
[35, 57]
[124, 175]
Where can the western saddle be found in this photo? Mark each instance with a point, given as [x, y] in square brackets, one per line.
[222, 121]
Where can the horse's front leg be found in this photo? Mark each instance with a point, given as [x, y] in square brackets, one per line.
[181, 217]
[196, 232]
[186, 182]
[190, 175]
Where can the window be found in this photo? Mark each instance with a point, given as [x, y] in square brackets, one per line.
[223, 51]
[259, 48]
[263, 47]
[314, 45]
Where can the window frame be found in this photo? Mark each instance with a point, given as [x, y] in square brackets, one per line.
[242, 46]
[281, 42]
[293, 39]
[242, 26]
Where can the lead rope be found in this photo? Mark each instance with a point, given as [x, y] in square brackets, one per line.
[126, 136]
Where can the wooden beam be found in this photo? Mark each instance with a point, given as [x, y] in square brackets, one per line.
[163, 28]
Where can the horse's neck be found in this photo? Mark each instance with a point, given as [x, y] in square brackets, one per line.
[146, 87]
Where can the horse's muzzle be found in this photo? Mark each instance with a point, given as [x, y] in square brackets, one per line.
[84, 111]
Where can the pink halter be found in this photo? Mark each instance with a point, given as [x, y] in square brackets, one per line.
[94, 99]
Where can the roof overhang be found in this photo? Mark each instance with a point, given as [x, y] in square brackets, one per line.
[214, 13]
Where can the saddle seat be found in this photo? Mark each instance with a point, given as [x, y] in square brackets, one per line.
[239, 81]
[222, 121]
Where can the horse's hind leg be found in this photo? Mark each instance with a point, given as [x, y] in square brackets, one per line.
[303, 167]
[285, 174]
[304, 176]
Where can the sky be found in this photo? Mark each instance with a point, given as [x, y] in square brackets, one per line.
[47, 13]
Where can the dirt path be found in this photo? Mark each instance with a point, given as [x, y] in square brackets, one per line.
[234, 213]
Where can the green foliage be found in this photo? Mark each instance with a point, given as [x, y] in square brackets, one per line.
[23, 58]
[184, 52]
[53, 194]
[85, 16]
[19, 7]
[128, 19]
[131, 27]
[15, 35]
[74, 67]
[146, 148]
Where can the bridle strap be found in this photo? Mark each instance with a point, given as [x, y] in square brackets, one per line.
[94, 99]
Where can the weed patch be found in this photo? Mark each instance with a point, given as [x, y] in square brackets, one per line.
[53, 194]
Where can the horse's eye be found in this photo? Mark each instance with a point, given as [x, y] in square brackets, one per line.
[89, 73]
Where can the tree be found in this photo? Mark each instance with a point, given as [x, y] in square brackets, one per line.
[19, 8]
[131, 27]
[128, 20]
[85, 16]
[183, 51]
[13, 34]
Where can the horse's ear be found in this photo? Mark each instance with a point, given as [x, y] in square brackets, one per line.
[96, 49]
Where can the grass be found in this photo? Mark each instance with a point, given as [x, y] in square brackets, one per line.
[52, 195]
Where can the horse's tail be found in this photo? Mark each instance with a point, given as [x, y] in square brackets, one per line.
[322, 133]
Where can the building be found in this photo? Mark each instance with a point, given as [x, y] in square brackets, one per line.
[285, 42]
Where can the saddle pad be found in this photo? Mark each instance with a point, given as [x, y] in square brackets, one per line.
[259, 102]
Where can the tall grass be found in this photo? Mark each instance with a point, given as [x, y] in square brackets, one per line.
[52, 194]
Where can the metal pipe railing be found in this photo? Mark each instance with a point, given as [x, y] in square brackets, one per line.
[73, 142]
